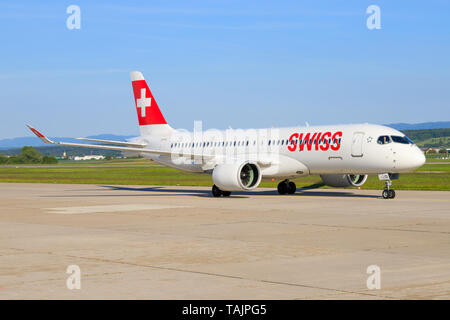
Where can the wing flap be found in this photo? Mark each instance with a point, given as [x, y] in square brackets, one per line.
[119, 143]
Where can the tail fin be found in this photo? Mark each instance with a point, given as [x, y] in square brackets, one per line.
[151, 120]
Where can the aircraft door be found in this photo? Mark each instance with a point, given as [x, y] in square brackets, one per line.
[357, 144]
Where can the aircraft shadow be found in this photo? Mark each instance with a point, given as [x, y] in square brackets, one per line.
[241, 194]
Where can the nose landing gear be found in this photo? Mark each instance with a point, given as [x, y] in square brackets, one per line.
[388, 193]
[286, 186]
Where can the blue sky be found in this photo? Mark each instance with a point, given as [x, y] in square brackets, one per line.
[228, 63]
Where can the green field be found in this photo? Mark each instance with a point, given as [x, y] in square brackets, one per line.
[432, 176]
[439, 138]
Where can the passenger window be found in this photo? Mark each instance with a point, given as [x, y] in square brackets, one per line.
[384, 140]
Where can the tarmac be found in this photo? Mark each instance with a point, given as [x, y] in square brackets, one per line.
[152, 242]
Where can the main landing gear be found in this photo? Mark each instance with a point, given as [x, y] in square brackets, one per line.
[286, 186]
[216, 192]
[388, 193]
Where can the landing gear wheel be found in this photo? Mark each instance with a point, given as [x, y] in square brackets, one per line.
[226, 193]
[291, 187]
[216, 192]
[391, 194]
[286, 186]
[282, 187]
[388, 193]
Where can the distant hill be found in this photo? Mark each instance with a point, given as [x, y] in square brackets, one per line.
[426, 134]
[430, 138]
[420, 126]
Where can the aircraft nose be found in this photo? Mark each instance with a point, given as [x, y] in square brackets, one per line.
[411, 160]
[418, 158]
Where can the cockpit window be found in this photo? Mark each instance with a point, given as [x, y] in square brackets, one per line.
[399, 139]
[410, 141]
[384, 140]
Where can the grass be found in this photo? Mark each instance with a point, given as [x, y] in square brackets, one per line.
[441, 141]
[431, 160]
[143, 172]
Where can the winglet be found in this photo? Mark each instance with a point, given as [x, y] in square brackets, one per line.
[40, 135]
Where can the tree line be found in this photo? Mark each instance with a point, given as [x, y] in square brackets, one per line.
[28, 155]
[430, 137]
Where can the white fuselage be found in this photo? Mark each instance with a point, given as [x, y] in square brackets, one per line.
[295, 151]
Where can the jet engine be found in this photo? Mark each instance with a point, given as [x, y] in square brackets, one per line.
[344, 180]
[237, 176]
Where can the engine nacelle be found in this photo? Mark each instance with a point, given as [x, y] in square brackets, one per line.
[344, 180]
[237, 176]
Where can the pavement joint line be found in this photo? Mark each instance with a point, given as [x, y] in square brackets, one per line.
[337, 227]
[228, 276]
[355, 227]
[62, 278]
[203, 273]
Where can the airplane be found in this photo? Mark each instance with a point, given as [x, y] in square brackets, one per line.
[343, 155]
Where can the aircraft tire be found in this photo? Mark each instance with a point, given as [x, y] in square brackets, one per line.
[291, 187]
[282, 187]
[391, 194]
[216, 192]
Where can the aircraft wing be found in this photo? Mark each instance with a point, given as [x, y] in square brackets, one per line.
[97, 146]
[119, 143]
